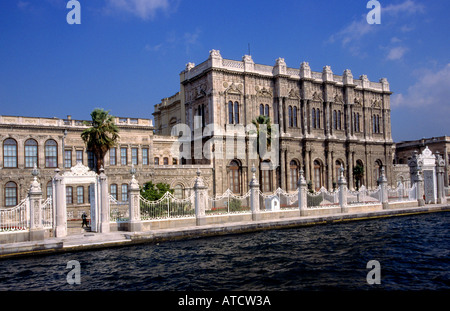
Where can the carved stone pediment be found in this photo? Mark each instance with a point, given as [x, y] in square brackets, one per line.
[338, 99]
[376, 104]
[294, 94]
[234, 89]
[79, 170]
[264, 92]
[316, 97]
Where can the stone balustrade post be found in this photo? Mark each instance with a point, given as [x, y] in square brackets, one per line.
[382, 181]
[200, 191]
[134, 205]
[342, 183]
[104, 202]
[59, 208]
[302, 194]
[35, 205]
[440, 167]
[254, 196]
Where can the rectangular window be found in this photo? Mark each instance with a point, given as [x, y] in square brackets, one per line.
[67, 158]
[69, 195]
[9, 155]
[166, 161]
[156, 161]
[113, 191]
[51, 154]
[80, 195]
[91, 160]
[124, 192]
[134, 156]
[79, 154]
[145, 156]
[112, 156]
[123, 156]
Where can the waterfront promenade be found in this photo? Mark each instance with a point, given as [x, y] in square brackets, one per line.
[89, 241]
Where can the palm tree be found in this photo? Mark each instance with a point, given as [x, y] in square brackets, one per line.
[263, 120]
[101, 136]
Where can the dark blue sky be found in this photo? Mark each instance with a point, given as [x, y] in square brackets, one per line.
[126, 55]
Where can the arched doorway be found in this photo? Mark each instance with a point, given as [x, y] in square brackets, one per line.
[235, 177]
[318, 175]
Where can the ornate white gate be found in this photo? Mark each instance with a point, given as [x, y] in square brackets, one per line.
[80, 174]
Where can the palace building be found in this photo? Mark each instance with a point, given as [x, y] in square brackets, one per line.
[325, 121]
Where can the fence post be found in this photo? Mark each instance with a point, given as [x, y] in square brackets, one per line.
[302, 194]
[104, 202]
[415, 169]
[440, 164]
[200, 199]
[134, 204]
[382, 181]
[254, 196]
[35, 200]
[342, 191]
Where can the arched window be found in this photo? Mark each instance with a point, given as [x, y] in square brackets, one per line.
[178, 191]
[318, 169]
[318, 118]
[337, 170]
[291, 120]
[235, 177]
[236, 113]
[31, 153]
[261, 110]
[10, 194]
[156, 161]
[267, 111]
[377, 170]
[293, 174]
[51, 153]
[335, 126]
[9, 153]
[378, 124]
[166, 161]
[339, 120]
[357, 123]
[313, 115]
[295, 117]
[266, 176]
[230, 112]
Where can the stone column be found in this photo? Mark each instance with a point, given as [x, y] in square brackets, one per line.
[200, 200]
[415, 169]
[302, 194]
[342, 191]
[60, 210]
[382, 181]
[134, 204]
[254, 196]
[419, 188]
[104, 202]
[35, 200]
[440, 166]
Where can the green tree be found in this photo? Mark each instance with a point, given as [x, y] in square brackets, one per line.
[358, 173]
[101, 136]
[263, 120]
[154, 192]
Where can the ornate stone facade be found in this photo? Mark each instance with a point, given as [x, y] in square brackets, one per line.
[325, 120]
[56, 144]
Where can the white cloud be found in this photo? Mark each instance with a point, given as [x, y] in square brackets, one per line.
[396, 53]
[406, 7]
[144, 9]
[431, 91]
[356, 35]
